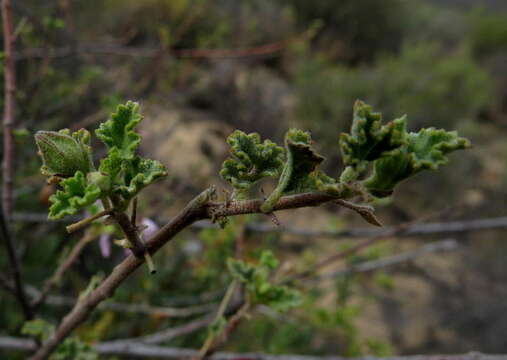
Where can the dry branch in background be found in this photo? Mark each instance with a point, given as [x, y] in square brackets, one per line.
[143, 351]
[9, 108]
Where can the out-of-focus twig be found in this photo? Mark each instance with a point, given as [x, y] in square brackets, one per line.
[14, 267]
[9, 109]
[367, 266]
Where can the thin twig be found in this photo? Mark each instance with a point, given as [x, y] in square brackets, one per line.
[367, 266]
[269, 49]
[220, 313]
[14, 267]
[345, 253]
[9, 109]
[87, 221]
[63, 268]
[232, 324]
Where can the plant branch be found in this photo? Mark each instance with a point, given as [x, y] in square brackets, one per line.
[14, 267]
[220, 313]
[85, 222]
[201, 207]
[9, 109]
[367, 266]
[132, 234]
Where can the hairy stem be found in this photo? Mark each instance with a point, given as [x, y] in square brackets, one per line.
[85, 222]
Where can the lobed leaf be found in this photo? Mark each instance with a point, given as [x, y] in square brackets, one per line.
[425, 150]
[369, 139]
[77, 193]
[300, 172]
[251, 160]
[38, 328]
[241, 270]
[139, 173]
[118, 132]
[261, 290]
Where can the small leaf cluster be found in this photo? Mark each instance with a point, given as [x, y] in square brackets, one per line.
[122, 174]
[376, 156]
[393, 153]
[70, 348]
[258, 285]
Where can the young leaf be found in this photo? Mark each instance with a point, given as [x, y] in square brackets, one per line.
[241, 270]
[268, 260]
[369, 139]
[118, 132]
[77, 194]
[38, 328]
[280, 298]
[251, 160]
[299, 173]
[139, 173]
[75, 349]
[256, 280]
[64, 153]
[111, 166]
[425, 150]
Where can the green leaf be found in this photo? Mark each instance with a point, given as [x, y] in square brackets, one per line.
[77, 193]
[75, 349]
[256, 279]
[139, 173]
[268, 259]
[217, 326]
[251, 160]
[38, 328]
[118, 132]
[369, 139]
[64, 153]
[280, 298]
[111, 165]
[241, 270]
[425, 150]
[299, 174]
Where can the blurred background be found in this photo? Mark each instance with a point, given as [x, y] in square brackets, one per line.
[202, 68]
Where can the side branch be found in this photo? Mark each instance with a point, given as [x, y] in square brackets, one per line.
[199, 208]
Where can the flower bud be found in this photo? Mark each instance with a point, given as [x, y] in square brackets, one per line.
[62, 155]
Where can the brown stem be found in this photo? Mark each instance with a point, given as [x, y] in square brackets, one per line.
[199, 208]
[132, 234]
[9, 109]
[62, 269]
